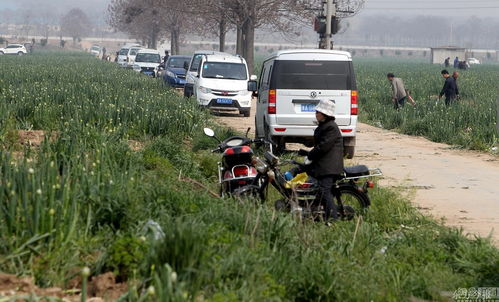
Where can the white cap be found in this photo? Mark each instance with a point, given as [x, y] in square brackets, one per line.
[326, 107]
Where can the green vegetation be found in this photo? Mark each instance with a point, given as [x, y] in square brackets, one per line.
[88, 196]
[469, 123]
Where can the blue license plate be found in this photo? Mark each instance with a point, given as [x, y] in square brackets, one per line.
[308, 107]
[224, 101]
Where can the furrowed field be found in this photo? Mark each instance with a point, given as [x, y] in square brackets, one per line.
[106, 189]
[469, 123]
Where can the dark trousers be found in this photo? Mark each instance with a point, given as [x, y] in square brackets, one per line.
[449, 100]
[400, 103]
[325, 195]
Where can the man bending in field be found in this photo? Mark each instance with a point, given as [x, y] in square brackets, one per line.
[399, 93]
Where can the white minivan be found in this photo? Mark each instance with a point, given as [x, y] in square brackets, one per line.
[123, 54]
[221, 83]
[193, 68]
[292, 82]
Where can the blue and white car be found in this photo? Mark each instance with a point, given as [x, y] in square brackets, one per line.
[174, 74]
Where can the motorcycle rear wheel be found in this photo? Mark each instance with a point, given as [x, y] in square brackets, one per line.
[354, 203]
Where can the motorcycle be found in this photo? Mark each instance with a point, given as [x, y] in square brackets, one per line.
[237, 174]
[299, 191]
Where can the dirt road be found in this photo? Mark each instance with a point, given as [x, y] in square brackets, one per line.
[460, 186]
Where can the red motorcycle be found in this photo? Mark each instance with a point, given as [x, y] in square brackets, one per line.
[237, 174]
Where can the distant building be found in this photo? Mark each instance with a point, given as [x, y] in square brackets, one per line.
[439, 54]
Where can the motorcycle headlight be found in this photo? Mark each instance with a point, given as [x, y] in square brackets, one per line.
[171, 74]
[204, 89]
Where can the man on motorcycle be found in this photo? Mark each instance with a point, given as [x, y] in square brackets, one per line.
[325, 160]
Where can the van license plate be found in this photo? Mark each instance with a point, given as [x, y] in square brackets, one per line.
[308, 107]
[224, 101]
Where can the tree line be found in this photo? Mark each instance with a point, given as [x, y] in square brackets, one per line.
[153, 20]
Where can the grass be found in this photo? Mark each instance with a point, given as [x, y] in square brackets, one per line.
[469, 123]
[86, 198]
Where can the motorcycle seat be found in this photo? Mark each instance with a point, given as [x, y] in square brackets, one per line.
[356, 171]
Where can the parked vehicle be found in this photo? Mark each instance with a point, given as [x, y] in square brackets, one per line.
[14, 49]
[174, 74]
[193, 68]
[132, 53]
[236, 172]
[123, 54]
[292, 83]
[472, 61]
[95, 50]
[299, 191]
[147, 62]
[222, 83]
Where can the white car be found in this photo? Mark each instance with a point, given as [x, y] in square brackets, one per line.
[123, 54]
[132, 53]
[95, 50]
[193, 67]
[472, 61]
[222, 83]
[147, 62]
[292, 83]
[14, 49]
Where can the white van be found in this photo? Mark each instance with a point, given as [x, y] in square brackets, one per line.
[123, 54]
[222, 83]
[292, 83]
[147, 62]
[192, 70]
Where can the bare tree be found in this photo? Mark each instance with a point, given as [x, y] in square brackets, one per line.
[150, 20]
[248, 15]
[139, 18]
[214, 17]
[76, 24]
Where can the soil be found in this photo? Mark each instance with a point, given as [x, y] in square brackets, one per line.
[457, 185]
[100, 288]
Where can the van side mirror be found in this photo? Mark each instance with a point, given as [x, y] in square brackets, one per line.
[252, 86]
[186, 65]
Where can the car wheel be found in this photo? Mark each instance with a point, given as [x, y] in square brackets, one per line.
[348, 151]
[277, 141]
[1, 53]
[246, 113]
[20, 53]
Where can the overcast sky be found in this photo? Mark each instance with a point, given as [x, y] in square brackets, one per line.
[448, 8]
[461, 8]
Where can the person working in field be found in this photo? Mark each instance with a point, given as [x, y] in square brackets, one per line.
[399, 94]
[455, 75]
[449, 89]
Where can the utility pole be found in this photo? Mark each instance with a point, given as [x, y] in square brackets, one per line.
[327, 15]
[330, 12]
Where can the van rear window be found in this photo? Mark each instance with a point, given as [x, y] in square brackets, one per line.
[324, 75]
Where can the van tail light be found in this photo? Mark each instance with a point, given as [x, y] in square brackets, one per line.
[272, 102]
[241, 171]
[354, 103]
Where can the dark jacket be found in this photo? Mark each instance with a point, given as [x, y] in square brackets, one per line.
[327, 154]
[457, 87]
[449, 88]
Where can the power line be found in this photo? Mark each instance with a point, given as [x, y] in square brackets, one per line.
[439, 2]
[431, 8]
